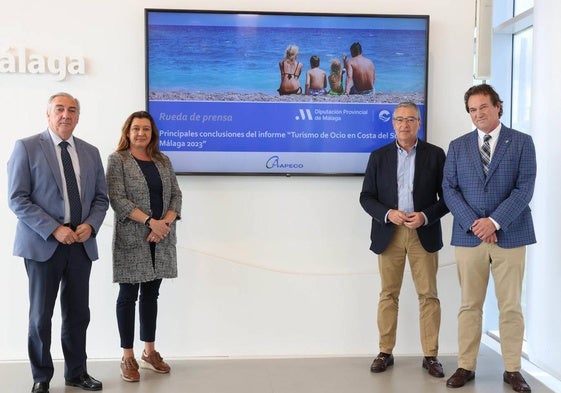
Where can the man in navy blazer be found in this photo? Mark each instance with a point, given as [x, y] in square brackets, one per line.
[56, 251]
[402, 192]
[492, 226]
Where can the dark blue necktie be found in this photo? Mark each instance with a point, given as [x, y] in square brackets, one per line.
[71, 186]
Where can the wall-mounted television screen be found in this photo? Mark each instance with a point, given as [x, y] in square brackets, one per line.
[280, 93]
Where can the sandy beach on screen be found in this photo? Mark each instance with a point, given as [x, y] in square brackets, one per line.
[417, 98]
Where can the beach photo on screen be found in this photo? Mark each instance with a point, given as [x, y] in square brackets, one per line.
[230, 94]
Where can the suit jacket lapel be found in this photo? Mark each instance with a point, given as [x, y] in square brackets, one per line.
[420, 158]
[391, 158]
[500, 149]
[84, 163]
[50, 155]
[475, 154]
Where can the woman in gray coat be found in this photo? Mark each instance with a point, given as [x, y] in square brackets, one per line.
[145, 195]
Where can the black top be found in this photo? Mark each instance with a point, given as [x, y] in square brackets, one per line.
[155, 187]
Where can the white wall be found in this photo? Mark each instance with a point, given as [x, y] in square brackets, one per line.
[268, 265]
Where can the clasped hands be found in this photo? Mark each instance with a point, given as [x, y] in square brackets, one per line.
[160, 229]
[410, 220]
[66, 235]
[485, 229]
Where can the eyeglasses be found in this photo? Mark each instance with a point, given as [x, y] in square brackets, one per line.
[409, 120]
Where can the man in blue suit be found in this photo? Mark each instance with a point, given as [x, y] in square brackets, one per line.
[489, 179]
[402, 192]
[57, 241]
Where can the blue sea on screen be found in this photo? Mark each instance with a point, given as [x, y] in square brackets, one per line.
[245, 59]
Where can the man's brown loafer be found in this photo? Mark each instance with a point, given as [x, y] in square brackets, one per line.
[433, 366]
[517, 381]
[460, 377]
[382, 362]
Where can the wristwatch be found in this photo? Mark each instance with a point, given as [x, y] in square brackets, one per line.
[147, 222]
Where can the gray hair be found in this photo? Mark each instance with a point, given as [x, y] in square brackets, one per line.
[409, 104]
[62, 94]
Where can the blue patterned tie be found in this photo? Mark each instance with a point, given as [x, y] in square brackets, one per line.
[486, 153]
[71, 185]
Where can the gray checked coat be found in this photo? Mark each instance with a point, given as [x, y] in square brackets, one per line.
[132, 262]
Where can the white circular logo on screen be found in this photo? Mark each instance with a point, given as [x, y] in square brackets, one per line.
[385, 116]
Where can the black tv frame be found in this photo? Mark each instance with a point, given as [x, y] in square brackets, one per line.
[175, 109]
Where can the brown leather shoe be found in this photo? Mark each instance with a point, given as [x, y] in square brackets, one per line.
[460, 377]
[382, 362]
[129, 370]
[517, 381]
[433, 366]
[154, 362]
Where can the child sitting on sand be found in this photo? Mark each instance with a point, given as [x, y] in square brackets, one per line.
[336, 78]
[316, 79]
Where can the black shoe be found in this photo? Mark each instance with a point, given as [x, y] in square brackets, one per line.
[84, 381]
[40, 387]
[382, 362]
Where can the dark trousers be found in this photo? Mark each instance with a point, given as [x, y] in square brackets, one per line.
[69, 268]
[147, 309]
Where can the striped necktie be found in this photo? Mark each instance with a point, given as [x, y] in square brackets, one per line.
[486, 153]
[71, 185]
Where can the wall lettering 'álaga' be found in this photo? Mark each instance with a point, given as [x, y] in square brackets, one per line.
[23, 61]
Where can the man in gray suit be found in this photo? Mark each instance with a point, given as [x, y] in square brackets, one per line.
[489, 178]
[56, 237]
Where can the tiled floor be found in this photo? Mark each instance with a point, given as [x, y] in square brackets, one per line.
[298, 375]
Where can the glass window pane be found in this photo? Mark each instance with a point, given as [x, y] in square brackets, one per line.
[522, 5]
[522, 95]
[522, 80]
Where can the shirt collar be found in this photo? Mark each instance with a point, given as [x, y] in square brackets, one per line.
[56, 139]
[494, 134]
[401, 149]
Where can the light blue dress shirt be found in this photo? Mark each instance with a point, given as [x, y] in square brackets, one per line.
[405, 176]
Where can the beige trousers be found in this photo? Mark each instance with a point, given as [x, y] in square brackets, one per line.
[507, 267]
[424, 266]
